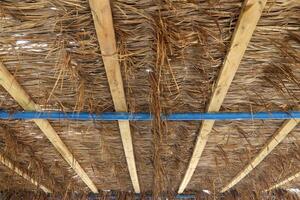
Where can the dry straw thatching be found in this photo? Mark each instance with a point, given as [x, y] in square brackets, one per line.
[170, 54]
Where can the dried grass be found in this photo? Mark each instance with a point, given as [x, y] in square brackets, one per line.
[170, 55]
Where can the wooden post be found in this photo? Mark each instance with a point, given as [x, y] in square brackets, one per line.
[281, 133]
[249, 16]
[9, 164]
[11, 85]
[102, 16]
[285, 181]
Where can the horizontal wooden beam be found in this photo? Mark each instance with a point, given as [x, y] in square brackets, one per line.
[9, 164]
[285, 181]
[249, 16]
[281, 133]
[102, 16]
[11, 85]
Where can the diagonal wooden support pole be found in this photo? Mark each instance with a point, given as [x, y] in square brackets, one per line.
[11, 85]
[249, 16]
[102, 16]
[285, 181]
[9, 164]
[281, 133]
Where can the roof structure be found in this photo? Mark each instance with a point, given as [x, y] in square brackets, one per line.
[158, 57]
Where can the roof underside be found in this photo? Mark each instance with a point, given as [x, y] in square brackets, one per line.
[51, 48]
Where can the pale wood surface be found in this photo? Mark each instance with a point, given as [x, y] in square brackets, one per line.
[102, 16]
[249, 16]
[285, 181]
[281, 133]
[9, 164]
[11, 85]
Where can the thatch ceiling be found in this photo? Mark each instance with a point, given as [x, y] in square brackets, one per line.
[51, 48]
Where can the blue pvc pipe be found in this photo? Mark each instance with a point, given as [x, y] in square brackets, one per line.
[185, 196]
[148, 197]
[113, 116]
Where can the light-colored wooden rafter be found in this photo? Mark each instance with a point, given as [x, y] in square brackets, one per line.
[9, 164]
[102, 16]
[11, 85]
[285, 181]
[280, 134]
[249, 16]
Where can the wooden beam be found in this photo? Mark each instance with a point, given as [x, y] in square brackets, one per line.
[102, 16]
[285, 181]
[9, 164]
[11, 85]
[249, 16]
[280, 134]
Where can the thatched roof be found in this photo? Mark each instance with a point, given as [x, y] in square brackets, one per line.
[51, 48]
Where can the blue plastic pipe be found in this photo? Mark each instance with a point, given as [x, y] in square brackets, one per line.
[112, 116]
[148, 197]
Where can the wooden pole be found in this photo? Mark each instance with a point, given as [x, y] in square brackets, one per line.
[11, 85]
[102, 16]
[249, 16]
[9, 164]
[285, 181]
[281, 133]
